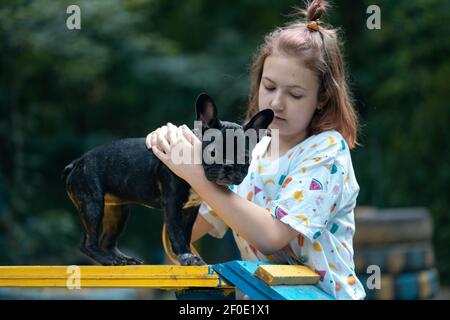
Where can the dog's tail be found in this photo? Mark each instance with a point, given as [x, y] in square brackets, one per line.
[68, 169]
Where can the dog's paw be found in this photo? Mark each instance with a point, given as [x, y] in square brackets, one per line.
[133, 261]
[189, 259]
[122, 259]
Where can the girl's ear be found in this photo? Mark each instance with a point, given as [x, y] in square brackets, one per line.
[207, 111]
[322, 101]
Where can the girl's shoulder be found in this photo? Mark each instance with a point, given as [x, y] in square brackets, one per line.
[327, 143]
[325, 139]
[323, 148]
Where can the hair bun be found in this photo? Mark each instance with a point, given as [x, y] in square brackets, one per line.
[315, 10]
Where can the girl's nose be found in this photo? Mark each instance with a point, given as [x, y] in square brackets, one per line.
[276, 103]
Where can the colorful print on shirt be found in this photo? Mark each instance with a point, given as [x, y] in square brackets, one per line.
[313, 189]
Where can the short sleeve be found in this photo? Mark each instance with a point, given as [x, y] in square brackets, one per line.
[219, 227]
[311, 191]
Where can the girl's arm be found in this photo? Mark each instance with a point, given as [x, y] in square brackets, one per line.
[200, 228]
[252, 222]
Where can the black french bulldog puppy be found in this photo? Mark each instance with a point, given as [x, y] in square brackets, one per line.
[106, 180]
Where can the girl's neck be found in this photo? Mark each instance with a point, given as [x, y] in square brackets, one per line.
[284, 145]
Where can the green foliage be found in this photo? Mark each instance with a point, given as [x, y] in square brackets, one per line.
[138, 64]
[402, 92]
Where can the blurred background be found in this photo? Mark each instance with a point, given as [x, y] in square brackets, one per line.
[137, 64]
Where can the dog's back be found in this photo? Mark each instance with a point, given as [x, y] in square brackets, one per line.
[123, 167]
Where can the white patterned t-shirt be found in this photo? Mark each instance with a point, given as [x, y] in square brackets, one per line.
[313, 189]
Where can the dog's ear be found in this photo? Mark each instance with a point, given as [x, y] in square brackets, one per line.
[207, 111]
[261, 120]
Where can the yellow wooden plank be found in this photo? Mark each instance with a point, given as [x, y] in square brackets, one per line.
[286, 275]
[167, 276]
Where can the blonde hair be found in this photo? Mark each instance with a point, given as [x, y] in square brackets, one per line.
[319, 48]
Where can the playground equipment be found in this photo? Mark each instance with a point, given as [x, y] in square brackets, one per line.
[189, 282]
[258, 280]
[395, 240]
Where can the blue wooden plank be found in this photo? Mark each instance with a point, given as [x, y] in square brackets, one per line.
[236, 274]
[240, 274]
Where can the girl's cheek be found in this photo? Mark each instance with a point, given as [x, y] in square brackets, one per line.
[262, 103]
[261, 96]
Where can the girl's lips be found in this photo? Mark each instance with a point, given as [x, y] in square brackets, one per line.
[278, 118]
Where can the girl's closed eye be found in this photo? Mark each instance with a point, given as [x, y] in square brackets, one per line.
[269, 88]
[296, 96]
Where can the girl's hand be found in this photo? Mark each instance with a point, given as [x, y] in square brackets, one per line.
[179, 149]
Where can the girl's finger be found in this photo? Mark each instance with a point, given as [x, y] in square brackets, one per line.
[163, 131]
[153, 140]
[189, 135]
[160, 155]
[172, 133]
[170, 125]
[148, 140]
[180, 133]
[182, 136]
[186, 133]
[162, 144]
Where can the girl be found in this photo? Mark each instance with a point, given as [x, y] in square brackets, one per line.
[296, 208]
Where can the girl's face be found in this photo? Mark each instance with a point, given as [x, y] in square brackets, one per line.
[291, 91]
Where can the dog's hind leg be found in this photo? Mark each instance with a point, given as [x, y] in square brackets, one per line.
[114, 220]
[88, 199]
[91, 214]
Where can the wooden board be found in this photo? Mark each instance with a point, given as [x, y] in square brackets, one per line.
[241, 275]
[286, 275]
[160, 276]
